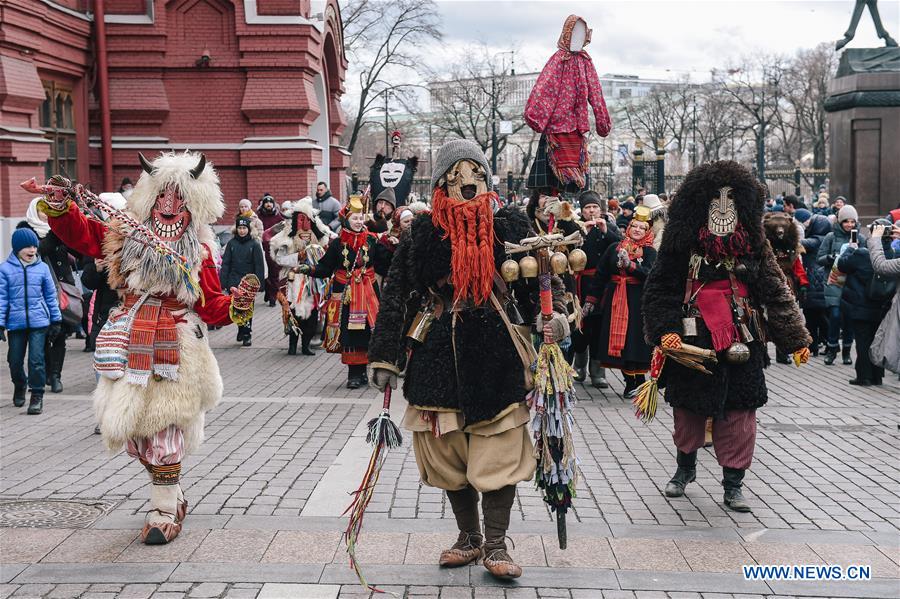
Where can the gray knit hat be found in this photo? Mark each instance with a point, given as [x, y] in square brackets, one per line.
[847, 212]
[452, 152]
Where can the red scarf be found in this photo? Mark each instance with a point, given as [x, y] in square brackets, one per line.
[470, 226]
[354, 239]
[618, 322]
[634, 248]
[716, 248]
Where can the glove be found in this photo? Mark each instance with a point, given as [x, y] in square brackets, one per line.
[801, 356]
[304, 269]
[54, 329]
[671, 341]
[2, 334]
[381, 378]
[586, 309]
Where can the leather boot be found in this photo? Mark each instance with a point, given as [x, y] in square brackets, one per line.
[19, 395]
[36, 405]
[845, 355]
[496, 508]
[55, 383]
[686, 473]
[292, 344]
[731, 480]
[830, 355]
[631, 386]
[247, 342]
[580, 366]
[304, 349]
[467, 548]
[162, 524]
[598, 375]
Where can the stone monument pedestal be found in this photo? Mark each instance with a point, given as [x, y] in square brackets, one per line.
[863, 106]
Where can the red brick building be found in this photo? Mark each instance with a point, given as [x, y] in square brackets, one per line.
[254, 84]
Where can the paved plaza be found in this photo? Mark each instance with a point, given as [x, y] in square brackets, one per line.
[286, 445]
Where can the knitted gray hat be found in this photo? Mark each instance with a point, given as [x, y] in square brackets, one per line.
[848, 212]
[452, 152]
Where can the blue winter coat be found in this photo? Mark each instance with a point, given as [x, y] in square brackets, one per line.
[27, 295]
[818, 227]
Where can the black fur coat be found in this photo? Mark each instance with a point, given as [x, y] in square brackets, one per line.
[478, 373]
[731, 386]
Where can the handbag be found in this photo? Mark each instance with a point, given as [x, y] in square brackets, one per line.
[111, 346]
[70, 303]
[521, 339]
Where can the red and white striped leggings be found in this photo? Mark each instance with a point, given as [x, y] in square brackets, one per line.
[162, 449]
[734, 438]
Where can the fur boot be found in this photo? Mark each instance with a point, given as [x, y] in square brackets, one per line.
[467, 548]
[496, 507]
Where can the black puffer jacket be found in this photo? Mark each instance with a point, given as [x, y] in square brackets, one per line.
[243, 255]
[56, 254]
[854, 299]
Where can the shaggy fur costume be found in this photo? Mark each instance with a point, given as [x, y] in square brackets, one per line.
[785, 241]
[127, 411]
[487, 374]
[731, 386]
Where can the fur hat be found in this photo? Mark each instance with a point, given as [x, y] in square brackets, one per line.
[452, 152]
[652, 201]
[689, 211]
[847, 212]
[200, 191]
[628, 205]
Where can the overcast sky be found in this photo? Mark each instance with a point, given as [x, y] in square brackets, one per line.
[662, 38]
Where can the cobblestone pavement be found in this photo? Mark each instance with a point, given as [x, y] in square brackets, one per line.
[286, 445]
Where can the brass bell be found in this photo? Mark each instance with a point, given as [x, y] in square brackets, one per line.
[559, 264]
[509, 270]
[528, 266]
[738, 353]
[577, 260]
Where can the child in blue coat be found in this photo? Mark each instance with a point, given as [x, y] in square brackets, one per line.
[29, 308]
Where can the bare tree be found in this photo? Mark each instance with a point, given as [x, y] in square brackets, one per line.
[650, 118]
[718, 134]
[381, 37]
[475, 98]
[754, 89]
[806, 86]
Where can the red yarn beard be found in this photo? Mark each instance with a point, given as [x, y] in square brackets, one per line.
[470, 226]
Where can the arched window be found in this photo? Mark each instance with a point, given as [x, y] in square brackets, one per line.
[57, 121]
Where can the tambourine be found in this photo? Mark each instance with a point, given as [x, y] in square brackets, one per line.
[246, 292]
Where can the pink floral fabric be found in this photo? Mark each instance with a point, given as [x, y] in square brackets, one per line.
[559, 101]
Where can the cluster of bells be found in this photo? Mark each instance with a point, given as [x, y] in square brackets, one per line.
[527, 267]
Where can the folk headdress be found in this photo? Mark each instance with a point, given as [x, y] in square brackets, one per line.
[349, 237]
[461, 206]
[717, 212]
[635, 248]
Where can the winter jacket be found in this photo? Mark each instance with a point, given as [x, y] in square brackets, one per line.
[328, 208]
[854, 300]
[105, 298]
[880, 263]
[56, 255]
[885, 350]
[243, 255]
[28, 297]
[818, 228]
[828, 252]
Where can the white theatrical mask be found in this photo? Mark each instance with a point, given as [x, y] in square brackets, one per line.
[391, 173]
[579, 34]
